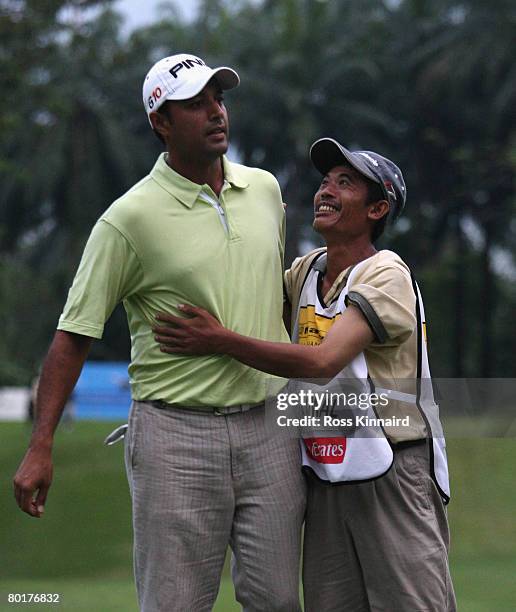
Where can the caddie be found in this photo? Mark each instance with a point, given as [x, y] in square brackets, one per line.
[204, 472]
[376, 531]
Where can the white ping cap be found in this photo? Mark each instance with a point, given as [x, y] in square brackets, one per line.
[180, 77]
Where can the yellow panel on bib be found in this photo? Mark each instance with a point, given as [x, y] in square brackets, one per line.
[313, 327]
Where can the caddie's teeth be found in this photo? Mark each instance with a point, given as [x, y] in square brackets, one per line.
[327, 208]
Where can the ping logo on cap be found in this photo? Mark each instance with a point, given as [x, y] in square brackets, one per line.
[181, 77]
[188, 63]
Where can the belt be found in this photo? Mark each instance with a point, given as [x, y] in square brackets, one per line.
[215, 410]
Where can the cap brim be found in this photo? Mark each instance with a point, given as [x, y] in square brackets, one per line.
[226, 77]
[326, 153]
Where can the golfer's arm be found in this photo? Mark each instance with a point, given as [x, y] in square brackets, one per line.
[348, 337]
[59, 374]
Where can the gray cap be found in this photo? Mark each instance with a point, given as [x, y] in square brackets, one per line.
[326, 153]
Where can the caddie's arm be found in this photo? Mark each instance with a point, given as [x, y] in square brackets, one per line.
[202, 334]
[60, 372]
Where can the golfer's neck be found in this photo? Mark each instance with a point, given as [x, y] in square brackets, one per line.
[208, 172]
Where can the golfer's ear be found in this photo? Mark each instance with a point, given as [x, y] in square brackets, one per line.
[160, 123]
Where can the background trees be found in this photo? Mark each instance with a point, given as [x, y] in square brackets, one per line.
[430, 83]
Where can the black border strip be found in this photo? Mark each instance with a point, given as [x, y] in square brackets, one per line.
[310, 267]
[320, 297]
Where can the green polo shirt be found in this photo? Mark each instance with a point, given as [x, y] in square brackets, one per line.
[162, 244]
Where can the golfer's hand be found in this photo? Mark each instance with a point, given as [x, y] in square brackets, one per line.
[32, 481]
[199, 333]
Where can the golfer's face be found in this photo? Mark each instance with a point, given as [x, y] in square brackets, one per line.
[199, 126]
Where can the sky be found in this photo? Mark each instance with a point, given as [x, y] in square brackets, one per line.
[140, 13]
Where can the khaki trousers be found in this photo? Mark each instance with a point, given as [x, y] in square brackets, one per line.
[200, 482]
[380, 546]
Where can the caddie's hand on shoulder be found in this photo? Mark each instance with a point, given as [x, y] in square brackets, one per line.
[32, 481]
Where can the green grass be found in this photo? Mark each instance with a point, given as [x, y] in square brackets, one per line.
[82, 547]
[484, 583]
[482, 524]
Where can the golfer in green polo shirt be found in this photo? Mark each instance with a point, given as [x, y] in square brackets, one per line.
[202, 469]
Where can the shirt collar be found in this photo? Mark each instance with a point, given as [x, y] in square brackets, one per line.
[185, 190]
[233, 174]
[339, 282]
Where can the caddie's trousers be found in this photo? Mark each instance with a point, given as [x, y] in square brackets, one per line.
[202, 481]
[379, 546]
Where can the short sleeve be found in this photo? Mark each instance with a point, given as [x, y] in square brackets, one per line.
[109, 272]
[386, 298]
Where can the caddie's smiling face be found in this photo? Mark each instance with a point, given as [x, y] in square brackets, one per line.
[340, 201]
